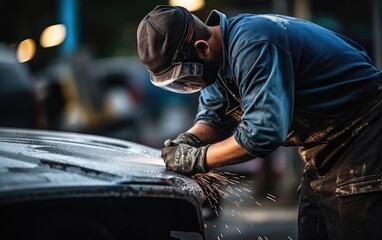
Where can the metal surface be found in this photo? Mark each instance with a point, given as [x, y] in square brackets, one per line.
[31, 160]
[38, 166]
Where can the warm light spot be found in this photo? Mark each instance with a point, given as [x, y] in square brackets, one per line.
[53, 36]
[190, 5]
[26, 50]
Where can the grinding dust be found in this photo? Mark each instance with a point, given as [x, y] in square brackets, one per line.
[225, 185]
[216, 185]
[233, 189]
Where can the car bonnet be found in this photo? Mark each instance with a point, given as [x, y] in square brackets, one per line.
[38, 164]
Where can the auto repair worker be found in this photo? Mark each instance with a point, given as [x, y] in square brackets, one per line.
[268, 81]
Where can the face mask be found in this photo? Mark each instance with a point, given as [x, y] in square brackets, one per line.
[187, 77]
[181, 78]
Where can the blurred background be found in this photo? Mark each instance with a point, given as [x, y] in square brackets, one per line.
[71, 65]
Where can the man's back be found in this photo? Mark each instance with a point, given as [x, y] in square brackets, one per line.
[331, 72]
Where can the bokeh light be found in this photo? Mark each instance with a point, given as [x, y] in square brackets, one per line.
[190, 5]
[53, 36]
[26, 50]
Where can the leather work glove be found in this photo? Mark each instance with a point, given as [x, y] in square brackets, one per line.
[184, 138]
[185, 159]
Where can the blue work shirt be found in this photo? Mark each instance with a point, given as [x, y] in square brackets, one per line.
[275, 64]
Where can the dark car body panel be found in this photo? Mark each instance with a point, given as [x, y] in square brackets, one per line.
[66, 184]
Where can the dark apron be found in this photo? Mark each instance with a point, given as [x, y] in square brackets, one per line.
[341, 188]
[321, 138]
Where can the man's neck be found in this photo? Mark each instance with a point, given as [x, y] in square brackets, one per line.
[216, 42]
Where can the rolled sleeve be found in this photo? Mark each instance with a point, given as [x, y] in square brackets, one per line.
[266, 84]
[211, 110]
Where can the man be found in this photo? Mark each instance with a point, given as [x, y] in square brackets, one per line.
[268, 81]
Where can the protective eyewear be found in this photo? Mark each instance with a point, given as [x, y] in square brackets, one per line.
[181, 78]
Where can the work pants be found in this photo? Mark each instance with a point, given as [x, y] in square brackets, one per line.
[342, 198]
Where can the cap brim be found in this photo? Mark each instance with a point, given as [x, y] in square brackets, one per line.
[167, 77]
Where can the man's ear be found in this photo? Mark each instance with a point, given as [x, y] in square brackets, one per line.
[202, 49]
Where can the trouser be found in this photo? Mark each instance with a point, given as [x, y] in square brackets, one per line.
[345, 200]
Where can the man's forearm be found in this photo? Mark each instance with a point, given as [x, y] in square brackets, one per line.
[205, 133]
[225, 153]
[220, 152]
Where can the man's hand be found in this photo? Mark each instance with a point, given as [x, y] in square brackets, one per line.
[184, 138]
[185, 159]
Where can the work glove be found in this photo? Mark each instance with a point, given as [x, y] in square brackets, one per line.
[185, 159]
[184, 138]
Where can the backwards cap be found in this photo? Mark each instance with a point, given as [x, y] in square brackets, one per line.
[162, 35]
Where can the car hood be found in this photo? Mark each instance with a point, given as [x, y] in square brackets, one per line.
[38, 164]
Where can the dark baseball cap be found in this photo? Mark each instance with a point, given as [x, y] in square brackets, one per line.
[164, 36]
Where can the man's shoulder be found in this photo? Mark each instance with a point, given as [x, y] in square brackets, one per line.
[257, 30]
[257, 27]
[261, 22]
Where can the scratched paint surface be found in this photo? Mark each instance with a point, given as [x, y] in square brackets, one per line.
[40, 159]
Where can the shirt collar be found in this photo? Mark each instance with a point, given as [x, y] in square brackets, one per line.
[217, 18]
